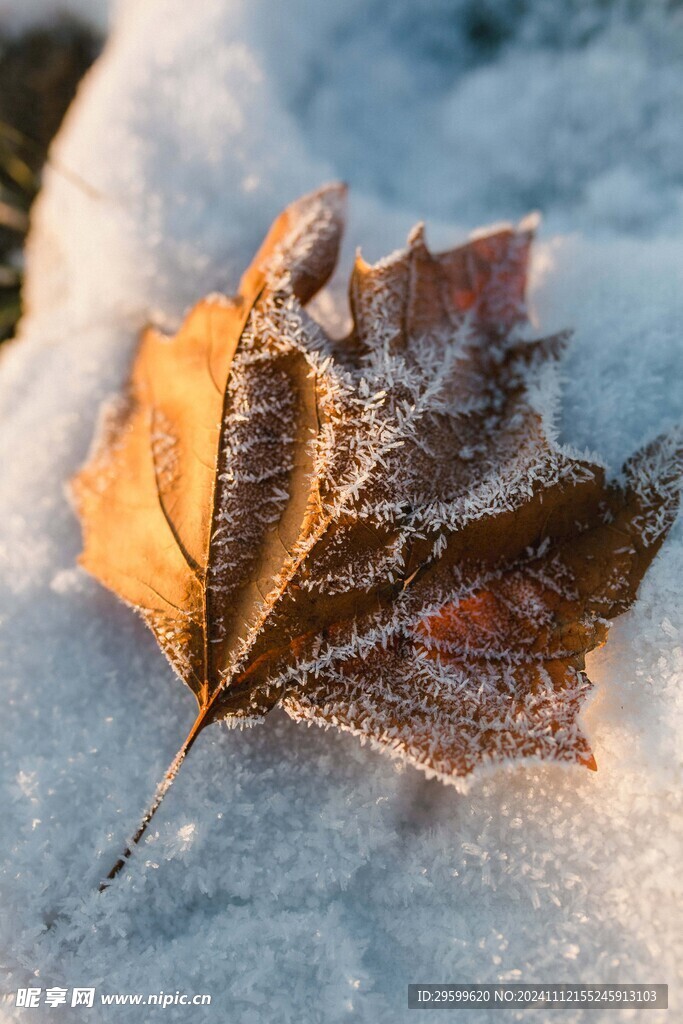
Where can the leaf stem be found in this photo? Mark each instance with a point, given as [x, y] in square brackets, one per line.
[162, 790]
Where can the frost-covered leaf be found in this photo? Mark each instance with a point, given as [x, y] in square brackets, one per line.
[201, 488]
[378, 532]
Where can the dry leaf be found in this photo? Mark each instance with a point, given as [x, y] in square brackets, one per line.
[378, 532]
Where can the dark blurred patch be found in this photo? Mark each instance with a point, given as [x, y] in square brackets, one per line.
[39, 73]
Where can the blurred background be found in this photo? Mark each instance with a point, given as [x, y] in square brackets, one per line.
[40, 67]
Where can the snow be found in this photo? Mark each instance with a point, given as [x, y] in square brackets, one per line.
[291, 873]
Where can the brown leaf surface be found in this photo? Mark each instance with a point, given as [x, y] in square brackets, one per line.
[379, 532]
[201, 484]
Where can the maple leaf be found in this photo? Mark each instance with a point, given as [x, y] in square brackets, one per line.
[378, 532]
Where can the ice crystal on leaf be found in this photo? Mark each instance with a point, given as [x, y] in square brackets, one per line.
[377, 532]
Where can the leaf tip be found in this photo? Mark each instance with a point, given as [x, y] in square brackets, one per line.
[529, 224]
[416, 237]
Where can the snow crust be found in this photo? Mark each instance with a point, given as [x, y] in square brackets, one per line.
[293, 874]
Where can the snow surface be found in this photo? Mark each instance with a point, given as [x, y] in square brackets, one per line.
[291, 873]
